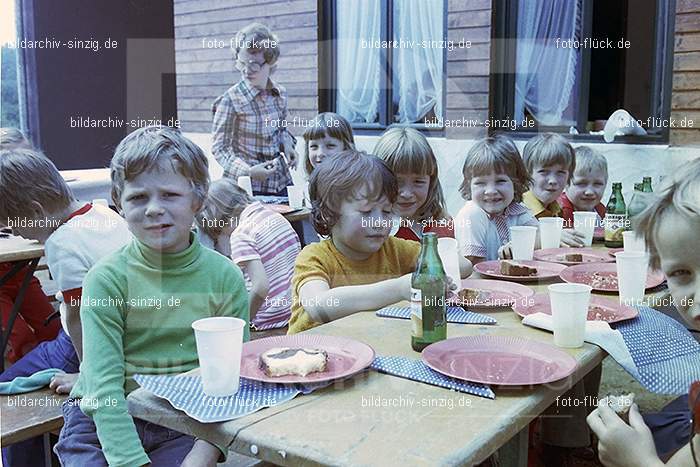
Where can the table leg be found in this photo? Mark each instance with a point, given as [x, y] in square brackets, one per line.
[514, 452]
[47, 450]
[16, 305]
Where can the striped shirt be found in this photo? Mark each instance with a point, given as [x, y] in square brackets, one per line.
[249, 124]
[267, 236]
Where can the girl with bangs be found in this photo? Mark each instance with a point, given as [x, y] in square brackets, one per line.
[420, 201]
[328, 134]
[495, 179]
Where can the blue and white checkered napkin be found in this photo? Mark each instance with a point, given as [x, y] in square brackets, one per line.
[455, 314]
[416, 370]
[185, 393]
[667, 357]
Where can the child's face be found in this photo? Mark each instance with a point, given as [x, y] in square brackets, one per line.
[363, 227]
[159, 206]
[549, 182]
[319, 149]
[493, 192]
[677, 243]
[586, 189]
[245, 65]
[413, 191]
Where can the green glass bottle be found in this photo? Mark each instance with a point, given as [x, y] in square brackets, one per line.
[646, 185]
[616, 220]
[428, 312]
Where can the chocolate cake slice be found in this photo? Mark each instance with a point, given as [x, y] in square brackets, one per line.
[511, 268]
[283, 361]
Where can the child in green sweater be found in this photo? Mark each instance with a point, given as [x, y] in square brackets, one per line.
[139, 303]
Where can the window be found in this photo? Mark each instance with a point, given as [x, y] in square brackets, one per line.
[567, 66]
[385, 61]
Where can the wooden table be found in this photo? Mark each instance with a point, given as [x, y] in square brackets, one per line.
[23, 254]
[32, 414]
[342, 424]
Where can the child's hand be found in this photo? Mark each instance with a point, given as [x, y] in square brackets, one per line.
[572, 238]
[450, 286]
[292, 157]
[505, 252]
[404, 284]
[202, 454]
[263, 170]
[63, 383]
[616, 438]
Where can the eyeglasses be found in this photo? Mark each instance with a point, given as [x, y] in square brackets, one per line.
[250, 65]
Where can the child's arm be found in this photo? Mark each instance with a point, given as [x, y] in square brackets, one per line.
[324, 304]
[74, 328]
[260, 285]
[465, 267]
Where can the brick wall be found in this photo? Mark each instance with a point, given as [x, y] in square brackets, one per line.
[685, 100]
[204, 73]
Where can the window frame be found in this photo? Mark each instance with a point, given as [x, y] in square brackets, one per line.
[502, 85]
[328, 70]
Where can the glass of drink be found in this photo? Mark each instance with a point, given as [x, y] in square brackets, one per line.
[244, 182]
[447, 249]
[584, 222]
[522, 240]
[569, 304]
[219, 345]
[631, 276]
[550, 231]
[295, 193]
[634, 242]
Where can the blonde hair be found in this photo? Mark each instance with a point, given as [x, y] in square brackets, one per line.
[258, 37]
[339, 178]
[327, 124]
[26, 175]
[680, 196]
[405, 150]
[13, 138]
[224, 204]
[588, 160]
[548, 149]
[495, 154]
[153, 147]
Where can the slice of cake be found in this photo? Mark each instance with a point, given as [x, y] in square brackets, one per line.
[511, 268]
[573, 257]
[473, 295]
[283, 361]
[620, 404]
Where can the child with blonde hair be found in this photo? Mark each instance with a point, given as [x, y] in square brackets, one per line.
[360, 266]
[587, 186]
[260, 241]
[670, 226]
[420, 203]
[495, 179]
[328, 134]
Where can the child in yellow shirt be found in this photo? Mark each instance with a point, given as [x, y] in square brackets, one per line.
[360, 267]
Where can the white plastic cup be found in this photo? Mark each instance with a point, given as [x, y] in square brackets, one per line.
[550, 231]
[584, 222]
[522, 240]
[634, 242]
[296, 196]
[245, 183]
[447, 249]
[569, 304]
[219, 345]
[631, 276]
[101, 201]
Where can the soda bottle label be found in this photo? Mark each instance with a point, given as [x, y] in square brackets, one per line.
[615, 224]
[416, 312]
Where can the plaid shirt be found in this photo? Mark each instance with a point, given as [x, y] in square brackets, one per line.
[247, 130]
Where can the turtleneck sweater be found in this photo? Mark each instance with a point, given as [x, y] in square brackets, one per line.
[137, 310]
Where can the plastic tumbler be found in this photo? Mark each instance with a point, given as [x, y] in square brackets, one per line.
[522, 240]
[569, 304]
[244, 182]
[219, 344]
[634, 242]
[447, 249]
[631, 276]
[550, 231]
[295, 194]
[584, 222]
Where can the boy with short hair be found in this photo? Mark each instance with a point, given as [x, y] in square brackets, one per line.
[360, 267]
[139, 303]
[75, 236]
[587, 186]
[250, 119]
